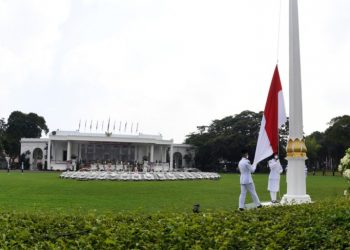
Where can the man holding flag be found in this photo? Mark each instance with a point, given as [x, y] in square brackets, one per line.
[246, 181]
[273, 118]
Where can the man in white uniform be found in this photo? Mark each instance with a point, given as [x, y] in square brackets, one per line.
[274, 177]
[246, 181]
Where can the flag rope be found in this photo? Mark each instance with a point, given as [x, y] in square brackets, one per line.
[278, 30]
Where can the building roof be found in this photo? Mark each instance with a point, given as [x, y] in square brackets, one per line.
[59, 135]
[34, 140]
[107, 137]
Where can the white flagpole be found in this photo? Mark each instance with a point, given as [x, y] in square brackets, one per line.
[79, 125]
[114, 126]
[120, 125]
[85, 125]
[102, 124]
[296, 149]
[132, 124]
[137, 127]
[96, 125]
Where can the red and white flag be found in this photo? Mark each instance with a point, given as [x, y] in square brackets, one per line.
[273, 118]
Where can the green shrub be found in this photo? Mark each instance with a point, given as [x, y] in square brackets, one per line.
[321, 225]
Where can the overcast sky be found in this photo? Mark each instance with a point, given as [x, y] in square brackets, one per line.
[167, 65]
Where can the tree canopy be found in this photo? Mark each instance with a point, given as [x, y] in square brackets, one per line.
[337, 136]
[20, 125]
[2, 134]
[222, 141]
[325, 149]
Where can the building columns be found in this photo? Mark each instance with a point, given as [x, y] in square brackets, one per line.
[79, 152]
[164, 153]
[48, 155]
[171, 156]
[69, 145]
[53, 151]
[152, 154]
[161, 153]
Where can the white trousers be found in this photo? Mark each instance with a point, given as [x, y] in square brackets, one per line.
[251, 188]
[273, 195]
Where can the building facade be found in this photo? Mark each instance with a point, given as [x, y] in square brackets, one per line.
[88, 148]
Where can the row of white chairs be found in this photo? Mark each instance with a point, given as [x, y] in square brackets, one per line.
[139, 176]
[119, 167]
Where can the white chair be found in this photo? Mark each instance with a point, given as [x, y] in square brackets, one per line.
[171, 176]
[161, 176]
[149, 176]
[180, 176]
[124, 176]
[136, 177]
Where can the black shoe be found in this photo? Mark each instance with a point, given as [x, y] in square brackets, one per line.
[241, 209]
[260, 206]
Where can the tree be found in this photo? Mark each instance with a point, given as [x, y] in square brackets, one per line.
[3, 163]
[283, 140]
[2, 135]
[20, 125]
[337, 138]
[219, 145]
[222, 141]
[315, 149]
[326, 149]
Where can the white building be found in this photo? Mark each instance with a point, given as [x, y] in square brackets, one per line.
[86, 148]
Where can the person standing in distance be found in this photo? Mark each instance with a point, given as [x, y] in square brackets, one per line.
[274, 177]
[246, 181]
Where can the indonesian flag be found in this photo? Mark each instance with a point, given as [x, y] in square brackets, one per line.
[273, 118]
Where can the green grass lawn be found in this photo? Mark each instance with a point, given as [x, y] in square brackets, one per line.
[46, 192]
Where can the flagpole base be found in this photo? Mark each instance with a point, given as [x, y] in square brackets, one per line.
[295, 199]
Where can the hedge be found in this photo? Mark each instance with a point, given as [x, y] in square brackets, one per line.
[321, 225]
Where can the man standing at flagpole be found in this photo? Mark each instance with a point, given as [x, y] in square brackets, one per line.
[274, 177]
[246, 181]
[273, 118]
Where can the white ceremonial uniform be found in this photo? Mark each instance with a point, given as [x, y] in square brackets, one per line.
[274, 177]
[246, 182]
